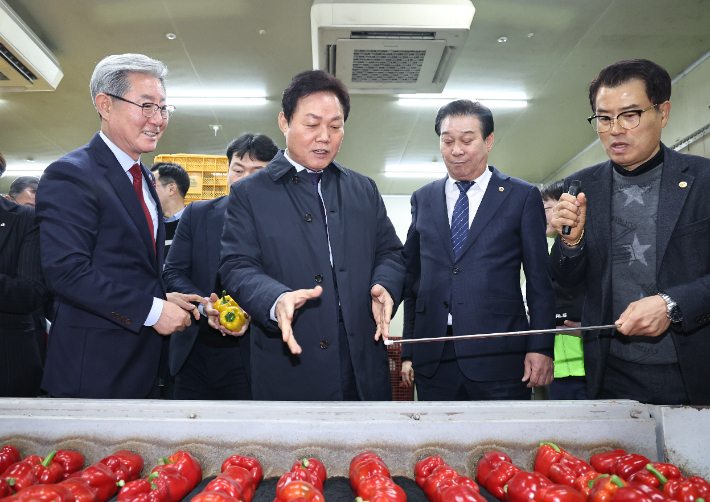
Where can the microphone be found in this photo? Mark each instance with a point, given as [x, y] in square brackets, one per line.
[574, 189]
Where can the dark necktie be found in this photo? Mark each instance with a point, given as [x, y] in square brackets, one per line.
[137, 174]
[459, 220]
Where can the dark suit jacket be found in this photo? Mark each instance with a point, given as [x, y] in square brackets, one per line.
[98, 259]
[192, 267]
[483, 283]
[682, 265]
[22, 291]
[274, 241]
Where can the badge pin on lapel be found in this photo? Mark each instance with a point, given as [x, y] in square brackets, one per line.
[500, 189]
[683, 184]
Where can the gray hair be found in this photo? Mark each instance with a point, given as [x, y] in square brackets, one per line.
[20, 184]
[112, 73]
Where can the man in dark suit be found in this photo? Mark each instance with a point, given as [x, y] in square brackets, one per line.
[206, 363]
[102, 244]
[309, 252]
[639, 239]
[470, 233]
[22, 291]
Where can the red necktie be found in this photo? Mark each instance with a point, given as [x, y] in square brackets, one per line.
[137, 174]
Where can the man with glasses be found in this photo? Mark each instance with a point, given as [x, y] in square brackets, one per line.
[23, 191]
[639, 238]
[102, 244]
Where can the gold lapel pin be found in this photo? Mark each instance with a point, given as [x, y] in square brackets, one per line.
[683, 184]
[500, 189]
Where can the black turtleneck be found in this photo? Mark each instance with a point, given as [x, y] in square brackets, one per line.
[656, 161]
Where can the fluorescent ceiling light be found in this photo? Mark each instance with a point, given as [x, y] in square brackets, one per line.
[215, 101]
[439, 102]
[431, 170]
[23, 171]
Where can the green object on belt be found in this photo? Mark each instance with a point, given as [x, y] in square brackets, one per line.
[569, 356]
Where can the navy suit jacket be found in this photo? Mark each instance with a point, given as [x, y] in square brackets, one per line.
[99, 261]
[682, 265]
[483, 283]
[274, 241]
[192, 267]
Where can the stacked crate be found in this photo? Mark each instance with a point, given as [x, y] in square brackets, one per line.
[208, 174]
[399, 391]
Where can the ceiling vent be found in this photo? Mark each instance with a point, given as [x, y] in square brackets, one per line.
[390, 46]
[26, 64]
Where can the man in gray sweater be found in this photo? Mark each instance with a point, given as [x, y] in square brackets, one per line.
[640, 237]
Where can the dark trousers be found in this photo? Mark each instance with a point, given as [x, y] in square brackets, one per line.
[660, 384]
[450, 384]
[213, 373]
[166, 381]
[347, 374]
[568, 388]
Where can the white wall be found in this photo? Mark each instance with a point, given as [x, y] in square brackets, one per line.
[399, 212]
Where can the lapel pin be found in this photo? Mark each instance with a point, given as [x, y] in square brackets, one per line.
[500, 189]
[683, 184]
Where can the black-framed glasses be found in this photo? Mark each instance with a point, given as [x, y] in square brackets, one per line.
[629, 119]
[150, 109]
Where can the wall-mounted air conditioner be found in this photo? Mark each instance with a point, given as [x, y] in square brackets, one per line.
[390, 46]
[26, 64]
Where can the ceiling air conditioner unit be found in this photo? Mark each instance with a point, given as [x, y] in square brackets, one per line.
[390, 46]
[26, 64]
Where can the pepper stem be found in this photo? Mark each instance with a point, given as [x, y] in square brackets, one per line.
[121, 483]
[306, 463]
[152, 476]
[164, 460]
[591, 483]
[553, 445]
[10, 481]
[49, 458]
[658, 475]
[617, 481]
[505, 488]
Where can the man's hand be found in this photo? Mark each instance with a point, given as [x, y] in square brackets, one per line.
[285, 308]
[407, 373]
[183, 301]
[539, 369]
[172, 319]
[646, 317]
[573, 324]
[382, 305]
[570, 211]
[213, 318]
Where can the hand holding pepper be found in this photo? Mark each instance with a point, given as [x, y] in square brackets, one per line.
[214, 314]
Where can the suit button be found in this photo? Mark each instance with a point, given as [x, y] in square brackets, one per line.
[446, 305]
[323, 344]
[319, 278]
[113, 314]
[308, 218]
[560, 263]
[128, 321]
[455, 271]
[123, 318]
[294, 180]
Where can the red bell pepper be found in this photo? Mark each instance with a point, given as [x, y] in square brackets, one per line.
[369, 484]
[226, 485]
[602, 462]
[49, 472]
[651, 494]
[206, 496]
[423, 468]
[625, 466]
[314, 466]
[558, 493]
[20, 475]
[366, 468]
[548, 454]
[71, 462]
[81, 489]
[179, 486]
[101, 478]
[130, 461]
[582, 483]
[499, 477]
[523, 486]
[688, 489]
[249, 463]
[299, 474]
[186, 464]
[43, 493]
[656, 474]
[562, 475]
[123, 474]
[8, 456]
[387, 493]
[360, 457]
[462, 493]
[297, 489]
[5, 489]
[432, 482]
[448, 483]
[488, 462]
[604, 488]
[243, 477]
[154, 488]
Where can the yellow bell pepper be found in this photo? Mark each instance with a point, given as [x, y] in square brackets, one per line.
[232, 318]
[225, 302]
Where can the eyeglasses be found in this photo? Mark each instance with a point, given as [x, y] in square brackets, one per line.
[628, 120]
[150, 109]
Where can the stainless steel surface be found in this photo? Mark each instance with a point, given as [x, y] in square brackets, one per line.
[278, 433]
[556, 331]
[683, 434]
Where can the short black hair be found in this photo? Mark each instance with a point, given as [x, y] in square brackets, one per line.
[3, 164]
[173, 173]
[655, 78]
[257, 146]
[466, 108]
[553, 191]
[310, 82]
[21, 184]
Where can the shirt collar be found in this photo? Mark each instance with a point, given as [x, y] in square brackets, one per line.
[295, 164]
[481, 182]
[174, 217]
[122, 157]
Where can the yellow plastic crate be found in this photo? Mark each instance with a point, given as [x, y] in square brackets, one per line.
[208, 174]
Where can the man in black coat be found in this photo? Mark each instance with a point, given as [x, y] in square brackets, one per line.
[640, 238]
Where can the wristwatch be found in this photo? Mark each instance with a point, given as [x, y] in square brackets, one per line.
[672, 308]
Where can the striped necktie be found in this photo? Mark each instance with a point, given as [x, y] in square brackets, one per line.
[459, 220]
